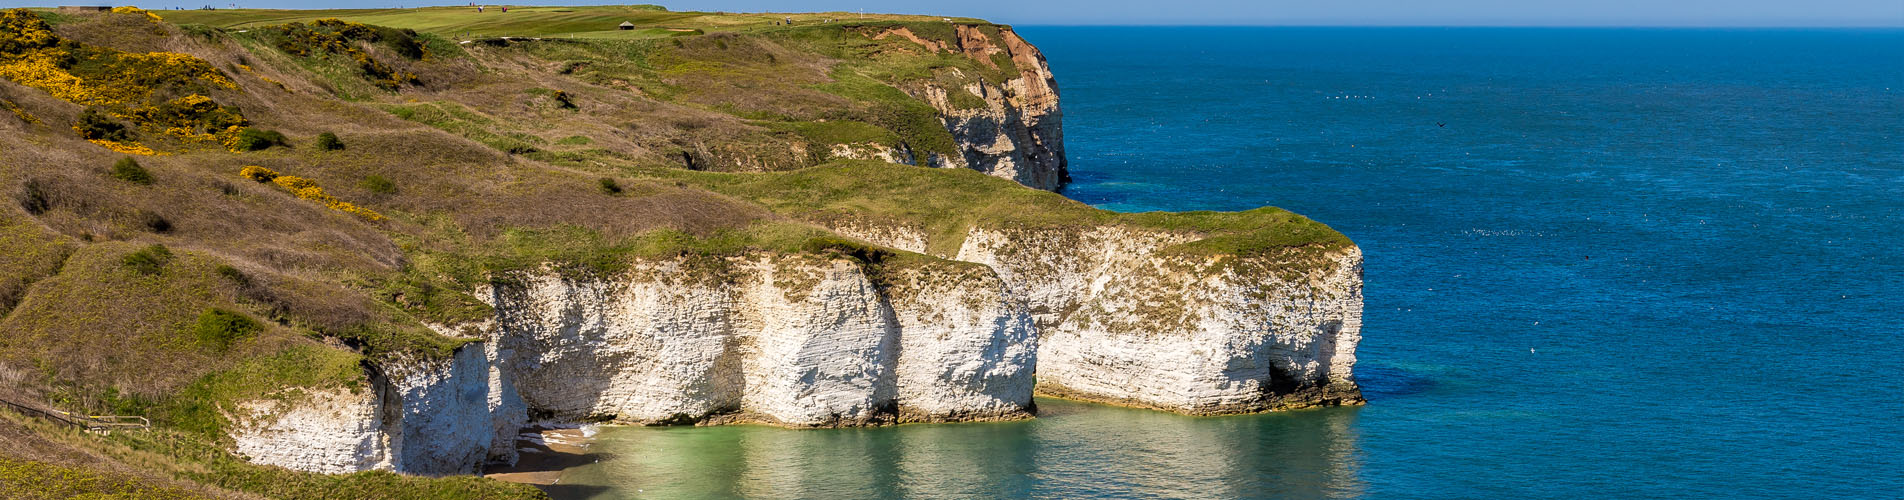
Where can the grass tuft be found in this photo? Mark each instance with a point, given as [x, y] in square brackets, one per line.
[608, 186]
[150, 260]
[377, 184]
[217, 329]
[128, 169]
[252, 139]
[328, 142]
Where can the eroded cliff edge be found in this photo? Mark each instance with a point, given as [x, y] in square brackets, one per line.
[1015, 128]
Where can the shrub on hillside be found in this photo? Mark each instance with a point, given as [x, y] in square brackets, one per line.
[252, 139]
[154, 222]
[232, 273]
[328, 142]
[37, 196]
[258, 173]
[378, 184]
[608, 185]
[129, 170]
[96, 126]
[219, 329]
[149, 260]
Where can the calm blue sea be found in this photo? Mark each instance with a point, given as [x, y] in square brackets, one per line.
[1601, 263]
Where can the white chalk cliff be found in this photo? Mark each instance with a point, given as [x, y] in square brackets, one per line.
[792, 340]
[1108, 314]
[1122, 321]
[434, 417]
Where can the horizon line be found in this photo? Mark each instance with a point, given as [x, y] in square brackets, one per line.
[1537, 26]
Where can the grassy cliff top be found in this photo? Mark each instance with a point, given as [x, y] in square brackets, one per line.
[946, 203]
[600, 22]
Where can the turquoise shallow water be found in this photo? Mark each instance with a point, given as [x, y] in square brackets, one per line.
[1601, 262]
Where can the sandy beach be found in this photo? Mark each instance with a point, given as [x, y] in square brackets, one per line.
[545, 453]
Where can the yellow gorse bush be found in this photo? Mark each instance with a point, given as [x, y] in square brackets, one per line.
[308, 189]
[39, 70]
[131, 148]
[193, 117]
[129, 80]
[135, 10]
[295, 184]
[229, 138]
[21, 31]
[123, 84]
[258, 173]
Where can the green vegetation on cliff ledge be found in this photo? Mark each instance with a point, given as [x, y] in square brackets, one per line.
[946, 203]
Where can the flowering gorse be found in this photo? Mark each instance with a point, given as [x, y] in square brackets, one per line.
[135, 10]
[258, 173]
[308, 189]
[131, 148]
[128, 86]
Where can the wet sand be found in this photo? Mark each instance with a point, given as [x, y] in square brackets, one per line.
[544, 453]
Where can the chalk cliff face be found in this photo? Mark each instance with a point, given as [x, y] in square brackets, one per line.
[1109, 314]
[333, 431]
[417, 417]
[799, 341]
[1203, 338]
[1016, 133]
[1122, 320]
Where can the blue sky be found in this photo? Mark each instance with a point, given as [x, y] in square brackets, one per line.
[1807, 13]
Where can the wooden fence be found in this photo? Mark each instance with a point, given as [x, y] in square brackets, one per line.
[93, 423]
